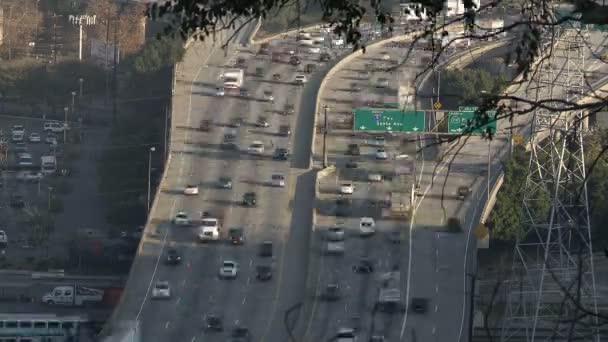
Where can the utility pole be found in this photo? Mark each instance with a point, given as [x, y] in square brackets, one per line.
[325, 137]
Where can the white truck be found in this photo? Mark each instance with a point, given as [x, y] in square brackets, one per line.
[72, 295]
[233, 78]
[48, 165]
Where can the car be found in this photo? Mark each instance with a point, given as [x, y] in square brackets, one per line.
[262, 123]
[268, 96]
[25, 159]
[346, 334]
[351, 164]
[20, 147]
[294, 60]
[263, 272]
[250, 199]
[280, 154]
[347, 188]
[259, 72]
[277, 179]
[34, 138]
[276, 77]
[29, 176]
[335, 248]
[191, 189]
[17, 137]
[244, 93]
[235, 122]
[314, 49]
[394, 236]
[377, 338]
[331, 292]
[289, 109]
[51, 139]
[256, 147]
[381, 154]
[375, 177]
[343, 207]
[300, 79]
[309, 68]
[236, 235]
[382, 83]
[229, 269]
[367, 226]
[53, 127]
[173, 257]
[224, 183]
[18, 129]
[205, 125]
[419, 305]
[385, 56]
[161, 290]
[463, 192]
[229, 140]
[337, 42]
[364, 266]
[181, 219]
[3, 238]
[353, 150]
[335, 233]
[266, 249]
[324, 57]
[214, 322]
[378, 141]
[284, 130]
[17, 201]
[219, 91]
[240, 334]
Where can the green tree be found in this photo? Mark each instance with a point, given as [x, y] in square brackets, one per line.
[469, 87]
[158, 54]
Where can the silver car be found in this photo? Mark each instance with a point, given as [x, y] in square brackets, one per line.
[335, 233]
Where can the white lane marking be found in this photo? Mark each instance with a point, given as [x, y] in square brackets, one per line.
[193, 339]
[434, 328]
[181, 170]
[167, 325]
[436, 307]
[179, 300]
[437, 288]
[248, 281]
[184, 282]
[244, 300]
[409, 262]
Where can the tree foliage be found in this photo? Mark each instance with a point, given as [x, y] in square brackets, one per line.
[597, 167]
[21, 20]
[126, 20]
[469, 87]
[158, 54]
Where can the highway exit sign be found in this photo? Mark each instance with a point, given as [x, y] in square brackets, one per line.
[387, 120]
[464, 121]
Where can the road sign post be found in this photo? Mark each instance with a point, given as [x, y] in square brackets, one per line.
[388, 120]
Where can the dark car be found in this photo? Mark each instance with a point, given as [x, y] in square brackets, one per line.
[276, 77]
[343, 206]
[240, 334]
[244, 93]
[419, 305]
[324, 57]
[205, 125]
[225, 182]
[236, 235]
[263, 272]
[351, 164]
[289, 109]
[364, 266]
[235, 122]
[17, 201]
[309, 68]
[214, 323]
[173, 257]
[259, 72]
[463, 192]
[280, 154]
[266, 249]
[354, 150]
[294, 60]
[229, 142]
[331, 292]
[250, 199]
[284, 130]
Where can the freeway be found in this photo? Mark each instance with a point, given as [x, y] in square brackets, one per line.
[441, 262]
[282, 215]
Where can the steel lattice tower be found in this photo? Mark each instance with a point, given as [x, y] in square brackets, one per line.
[552, 273]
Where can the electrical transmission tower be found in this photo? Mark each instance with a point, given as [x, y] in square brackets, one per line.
[551, 296]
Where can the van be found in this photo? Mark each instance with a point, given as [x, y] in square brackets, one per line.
[53, 126]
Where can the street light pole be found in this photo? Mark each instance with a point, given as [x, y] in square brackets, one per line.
[65, 124]
[325, 136]
[152, 149]
[80, 88]
[49, 200]
[73, 101]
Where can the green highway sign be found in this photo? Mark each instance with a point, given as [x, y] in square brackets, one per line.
[463, 122]
[387, 120]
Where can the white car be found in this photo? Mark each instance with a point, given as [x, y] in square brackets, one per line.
[51, 139]
[229, 270]
[367, 226]
[386, 56]
[375, 177]
[181, 219]
[161, 290]
[17, 137]
[377, 141]
[337, 42]
[256, 147]
[220, 92]
[3, 237]
[34, 138]
[314, 50]
[210, 223]
[300, 79]
[347, 189]
[191, 189]
[381, 154]
[268, 96]
[318, 38]
[53, 126]
[29, 176]
[18, 129]
[277, 179]
[209, 230]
